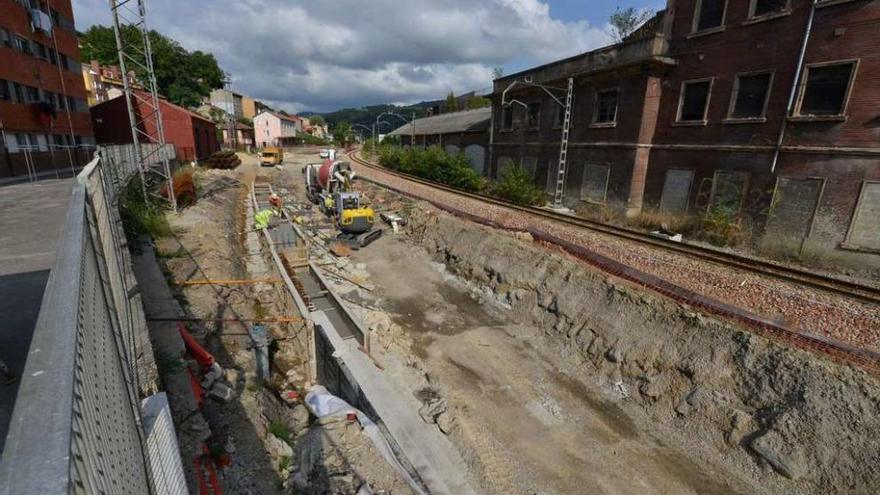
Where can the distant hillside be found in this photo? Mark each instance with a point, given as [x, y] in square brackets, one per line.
[367, 115]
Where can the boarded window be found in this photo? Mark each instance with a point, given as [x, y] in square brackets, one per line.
[507, 118]
[533, 115]
[710, 14]
[765, 7]
[694, 100]
[504, 162]
[552, 176]
[750, 96]
[676, 190]
[826, 89]
[606, 107]
[728, 192]
[530, 165]
[791, 214]
[594, 187]
[476, 154]
[864, 233]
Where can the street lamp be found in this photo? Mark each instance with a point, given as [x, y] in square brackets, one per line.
[566, 126]
[371, 131]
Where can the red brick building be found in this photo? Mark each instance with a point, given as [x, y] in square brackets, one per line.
[43, 112]
[193, 136]
[690, 114]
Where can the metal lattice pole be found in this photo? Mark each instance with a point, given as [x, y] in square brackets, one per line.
[144, 112]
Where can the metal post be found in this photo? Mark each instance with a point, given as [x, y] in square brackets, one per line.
[149, 125]
[563, 149]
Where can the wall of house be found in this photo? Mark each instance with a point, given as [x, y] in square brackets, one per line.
[267, 130]
[29, 70]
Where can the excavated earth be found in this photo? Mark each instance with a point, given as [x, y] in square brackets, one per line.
[550, 377]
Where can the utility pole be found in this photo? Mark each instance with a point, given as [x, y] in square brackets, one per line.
[144, 112]
[231, 117]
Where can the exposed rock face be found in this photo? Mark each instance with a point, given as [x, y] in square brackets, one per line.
[815, 422]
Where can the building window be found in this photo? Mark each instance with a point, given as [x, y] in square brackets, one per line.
[33, 94]
[560, 116]
[507, 118]
[21, 44]
[5, 38]
[40, 51]
[18, 92]
[694, 101]
[760, 8]
[5, 94]
[825, 89]
[750, 95]
[709, 15]
[605, 107]
[533, 115]
[594, 186]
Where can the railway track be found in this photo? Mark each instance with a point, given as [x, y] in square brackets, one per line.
[755, 265]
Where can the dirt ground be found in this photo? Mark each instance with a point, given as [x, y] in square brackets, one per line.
[273, 446]
[521, 419]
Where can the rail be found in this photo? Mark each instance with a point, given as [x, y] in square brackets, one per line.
[835, 349]
[755, 265]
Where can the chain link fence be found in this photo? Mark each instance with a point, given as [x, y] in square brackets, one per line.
[77, 424]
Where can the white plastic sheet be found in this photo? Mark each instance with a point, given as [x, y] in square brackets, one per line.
[323, 404]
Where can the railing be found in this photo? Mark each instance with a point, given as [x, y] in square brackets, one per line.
[76, 426]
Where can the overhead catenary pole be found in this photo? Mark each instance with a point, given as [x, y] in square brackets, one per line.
[144, 111]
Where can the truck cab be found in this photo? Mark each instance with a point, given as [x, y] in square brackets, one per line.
[271, 156]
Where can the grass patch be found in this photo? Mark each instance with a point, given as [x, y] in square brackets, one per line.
[284, 463]
[517, 186]
[140, 217]
[282, 431]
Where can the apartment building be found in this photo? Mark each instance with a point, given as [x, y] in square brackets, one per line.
[691, 114]
[104, 82]
[44, 116]
[276, 129]
[228, 101]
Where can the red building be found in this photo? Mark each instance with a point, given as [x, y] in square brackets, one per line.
[43, 112]
[193, 136]
[691, 115]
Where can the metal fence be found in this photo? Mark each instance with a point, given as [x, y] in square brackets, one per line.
[77, 425]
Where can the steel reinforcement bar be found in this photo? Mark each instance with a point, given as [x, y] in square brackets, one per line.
[839, 351]
[755, 265]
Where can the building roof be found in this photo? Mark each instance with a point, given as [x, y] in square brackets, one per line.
[291, 118]
[448, 123]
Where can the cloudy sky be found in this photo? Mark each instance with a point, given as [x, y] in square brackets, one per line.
[322, 55]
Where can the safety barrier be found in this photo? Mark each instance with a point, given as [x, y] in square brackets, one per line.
[77, 425]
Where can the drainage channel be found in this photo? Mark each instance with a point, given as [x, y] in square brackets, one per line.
[340, 348]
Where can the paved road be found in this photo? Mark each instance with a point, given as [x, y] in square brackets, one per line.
[31, 219]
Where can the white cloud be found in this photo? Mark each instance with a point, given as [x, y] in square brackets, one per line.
[321, 55]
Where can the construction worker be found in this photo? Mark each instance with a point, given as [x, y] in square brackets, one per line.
[277, 204]
[262, 219]
[9, 375]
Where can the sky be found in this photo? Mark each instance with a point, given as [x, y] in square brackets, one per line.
[322, 55]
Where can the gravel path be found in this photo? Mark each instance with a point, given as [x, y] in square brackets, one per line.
[802, 308]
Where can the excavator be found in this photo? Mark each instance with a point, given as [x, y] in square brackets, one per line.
[328, 185]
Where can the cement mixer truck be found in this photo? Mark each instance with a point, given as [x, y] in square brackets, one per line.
[328, 185]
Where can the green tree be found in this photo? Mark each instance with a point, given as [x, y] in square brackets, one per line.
[478, 102]
[451, 102]
[317, 120]
[625, 21]
[341, 131]
[184, 77]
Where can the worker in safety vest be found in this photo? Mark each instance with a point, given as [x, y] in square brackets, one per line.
[262, 219]
[9, 376]
[277, 204]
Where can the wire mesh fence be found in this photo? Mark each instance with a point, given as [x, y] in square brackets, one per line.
[76, 426]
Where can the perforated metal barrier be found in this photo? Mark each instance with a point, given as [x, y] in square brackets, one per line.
[77, 425]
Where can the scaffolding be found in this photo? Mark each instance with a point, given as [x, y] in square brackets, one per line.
[144, 113]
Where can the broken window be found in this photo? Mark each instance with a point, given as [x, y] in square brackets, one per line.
[694, 101]
[507, 118]
[710, 14]
[560, 116]
[765, 7]
[533, 115]
[594, 188]
[750, 95]
[826, 89]
[606, 107]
